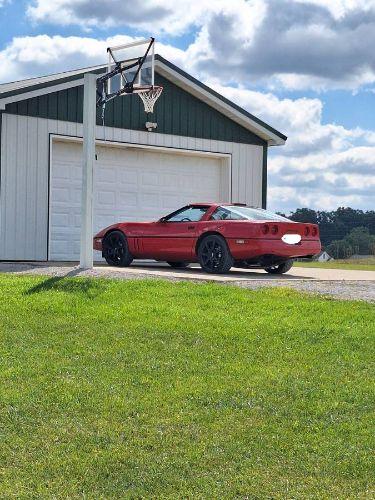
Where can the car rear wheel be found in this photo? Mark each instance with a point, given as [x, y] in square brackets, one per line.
[116, 249]
[214, 255]
[281, 268]
[178, 265]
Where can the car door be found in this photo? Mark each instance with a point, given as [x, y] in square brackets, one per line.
[173, 237]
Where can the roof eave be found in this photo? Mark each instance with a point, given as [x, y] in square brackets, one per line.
[272, 136]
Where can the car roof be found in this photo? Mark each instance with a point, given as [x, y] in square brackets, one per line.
[211, 204]
[203, 204]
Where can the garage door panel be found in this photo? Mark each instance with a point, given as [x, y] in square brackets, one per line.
[106, 175]
[65, 244]
[106, 198]
[64, 220]
[128, 177]
[149, 178]
[126, 200]
[129, 184]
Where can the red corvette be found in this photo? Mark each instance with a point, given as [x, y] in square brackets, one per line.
[216, 236]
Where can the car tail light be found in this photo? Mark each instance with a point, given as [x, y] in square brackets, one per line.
[265, 229]
[274, 229]
[307, 231]
[314, 231]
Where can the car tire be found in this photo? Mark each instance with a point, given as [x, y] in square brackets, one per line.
[178, 265]
[281, 268]
[214, 255]
[116, 250]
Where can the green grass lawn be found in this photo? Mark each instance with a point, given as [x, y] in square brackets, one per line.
[355, 264]
[150, 389]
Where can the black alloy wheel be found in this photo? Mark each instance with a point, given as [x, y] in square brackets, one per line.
[214, 255]
[281, 268]
[116, 250]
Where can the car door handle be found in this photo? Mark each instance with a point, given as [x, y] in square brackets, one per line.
[191, 227]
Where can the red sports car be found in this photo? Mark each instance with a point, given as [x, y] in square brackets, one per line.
[218, 236]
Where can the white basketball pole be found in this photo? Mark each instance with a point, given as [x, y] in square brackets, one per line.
[89, 124]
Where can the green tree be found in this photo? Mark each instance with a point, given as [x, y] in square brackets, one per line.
[361, 240]
[305, 215]
[337, 224]
[340, 249]
[358, 241]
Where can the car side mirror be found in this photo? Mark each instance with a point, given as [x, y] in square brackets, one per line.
[162, 219]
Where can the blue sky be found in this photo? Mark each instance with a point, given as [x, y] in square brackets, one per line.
[306, 67]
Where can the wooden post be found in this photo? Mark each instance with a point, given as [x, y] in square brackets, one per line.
[89, 124]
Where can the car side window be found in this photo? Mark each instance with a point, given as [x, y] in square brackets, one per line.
[222, 213]
[189, 214]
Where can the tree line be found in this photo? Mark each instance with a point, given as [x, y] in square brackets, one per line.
[343, 232]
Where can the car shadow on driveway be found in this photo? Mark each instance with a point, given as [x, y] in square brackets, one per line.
[233, 275]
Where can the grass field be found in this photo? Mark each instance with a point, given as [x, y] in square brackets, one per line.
[150, 389]
[355, 264]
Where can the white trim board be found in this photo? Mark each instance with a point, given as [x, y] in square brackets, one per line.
[166, 149]
[39, 92]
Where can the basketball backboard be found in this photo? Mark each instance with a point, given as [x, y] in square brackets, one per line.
[130, 70]
[137, 59]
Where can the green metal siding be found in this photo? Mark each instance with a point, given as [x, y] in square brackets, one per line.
[177, 112]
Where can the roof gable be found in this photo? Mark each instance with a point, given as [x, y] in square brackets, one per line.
[215, 114]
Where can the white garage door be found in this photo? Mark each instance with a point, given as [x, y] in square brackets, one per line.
[129, 184]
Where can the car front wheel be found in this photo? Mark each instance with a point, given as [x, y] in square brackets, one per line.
[116, 249]
[214, 255]
[281, 268]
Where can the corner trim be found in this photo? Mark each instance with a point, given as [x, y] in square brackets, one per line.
[264, 177]
[1, 132]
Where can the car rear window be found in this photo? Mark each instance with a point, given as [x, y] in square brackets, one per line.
[222, 213]
[246, 213]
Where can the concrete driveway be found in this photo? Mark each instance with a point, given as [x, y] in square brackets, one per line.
[195, 273]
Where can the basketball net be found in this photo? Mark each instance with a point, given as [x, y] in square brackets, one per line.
[149, 97]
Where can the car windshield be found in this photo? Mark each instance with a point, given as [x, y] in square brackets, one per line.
[246, 213]
[187, 214]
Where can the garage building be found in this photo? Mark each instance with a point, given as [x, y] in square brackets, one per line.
[205, 148]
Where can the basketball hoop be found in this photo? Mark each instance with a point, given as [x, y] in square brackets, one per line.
[130, 70]
[149, 96]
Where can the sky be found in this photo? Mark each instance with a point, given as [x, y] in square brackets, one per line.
[306, 67]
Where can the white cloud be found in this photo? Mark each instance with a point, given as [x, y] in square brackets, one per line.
[26, 57]
[297, 44]
[321, 165]
[338, 8]
[300, 119]
[156, 16]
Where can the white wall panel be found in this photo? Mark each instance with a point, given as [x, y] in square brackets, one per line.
[24, 195]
